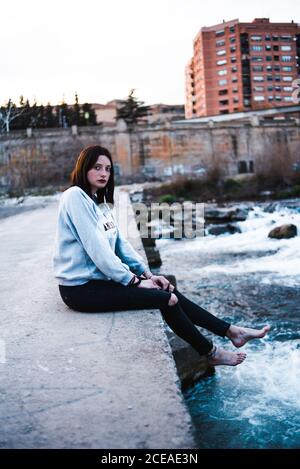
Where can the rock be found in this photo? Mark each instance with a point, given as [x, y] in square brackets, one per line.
[221, 229]
[226, 215]
[190, 366]
[239, 214]
[270, 208]
[284, 231]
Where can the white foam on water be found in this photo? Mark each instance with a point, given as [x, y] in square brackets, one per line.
[281, 262]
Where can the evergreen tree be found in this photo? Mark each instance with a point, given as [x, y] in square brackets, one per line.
[49, 116]
[133, 111]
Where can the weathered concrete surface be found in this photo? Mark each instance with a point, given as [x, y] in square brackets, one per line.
[78, 380]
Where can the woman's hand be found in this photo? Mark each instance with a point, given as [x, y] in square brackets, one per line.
[147, 284]
[162, 282]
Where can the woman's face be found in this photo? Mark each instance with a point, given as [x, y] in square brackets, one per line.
[99, 174]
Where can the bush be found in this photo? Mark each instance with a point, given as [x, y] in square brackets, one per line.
[168, 198]
[231, 185]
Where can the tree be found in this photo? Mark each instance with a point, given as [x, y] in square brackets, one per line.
[132, 112]
[8, 114]
[88, 116]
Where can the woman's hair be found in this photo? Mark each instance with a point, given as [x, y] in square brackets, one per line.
[85, 161]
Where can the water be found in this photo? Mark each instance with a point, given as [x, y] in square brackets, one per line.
[251, 280]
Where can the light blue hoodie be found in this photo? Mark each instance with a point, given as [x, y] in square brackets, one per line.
[89, 245]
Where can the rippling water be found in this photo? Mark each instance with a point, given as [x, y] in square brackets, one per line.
[249, 279]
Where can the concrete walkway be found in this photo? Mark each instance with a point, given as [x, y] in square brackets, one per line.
[78, 380]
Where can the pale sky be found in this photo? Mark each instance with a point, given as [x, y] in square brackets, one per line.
[102, 49]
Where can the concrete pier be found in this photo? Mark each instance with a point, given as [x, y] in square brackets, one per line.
[78, 380]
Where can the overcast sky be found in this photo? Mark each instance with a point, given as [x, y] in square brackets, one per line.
[102, 49]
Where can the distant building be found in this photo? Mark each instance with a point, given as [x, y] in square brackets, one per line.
[242, 66]
[158, 113]
[161, 113]
[107, 113]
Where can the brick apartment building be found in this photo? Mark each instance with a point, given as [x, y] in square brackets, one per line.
[242, 66]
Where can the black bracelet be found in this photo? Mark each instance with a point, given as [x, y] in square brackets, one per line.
[137, 283]
[132, 281]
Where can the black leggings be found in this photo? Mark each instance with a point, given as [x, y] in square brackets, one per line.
[103, 295]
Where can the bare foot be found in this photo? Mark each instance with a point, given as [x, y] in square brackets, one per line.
[223, 357]
[240, 335]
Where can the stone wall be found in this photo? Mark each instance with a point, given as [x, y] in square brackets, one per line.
[46, 156]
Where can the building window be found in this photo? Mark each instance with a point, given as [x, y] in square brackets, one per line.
[232, 59]
[232, 40]
[245, 166]
[276, 48]
[288, 98]
[222, 92]
[234, 90]
[256, 38]
[286, 38]
[268, 37]
[221, 52]
[270, 88]
[234, 79]
[288, 88]
[269, 78]
[257, 59]
[222, 72]
[231, 29]
[276, 58]
[286, 58]
[232, 49]
[221, 62]
[277, 68]
[258, 88]
[268, 58]
[236, 99]
[223, 102]
[278, 98]
[277, 88]
[258, 68]
[287, 78]
[275, 37]
[234, 69]
[220, 43]
[269, 68]
[268, 47]
[257, 48]
[219, 33]
[258, 78]
[287, 68]
[270, 98]
[222, 82]
[286, 48]
[259, 98]
[242, 166]
[277, 78]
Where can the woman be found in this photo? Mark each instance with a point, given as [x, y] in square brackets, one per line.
[98, 270]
